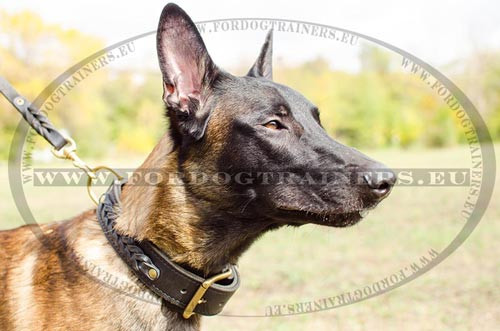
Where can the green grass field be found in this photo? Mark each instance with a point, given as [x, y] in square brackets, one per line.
[312, 262]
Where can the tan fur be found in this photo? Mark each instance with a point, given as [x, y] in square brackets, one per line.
[138, 200]
[52, 288]
[66, 276]
[72, 279]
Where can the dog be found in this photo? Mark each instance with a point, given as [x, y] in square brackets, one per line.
[218, 124]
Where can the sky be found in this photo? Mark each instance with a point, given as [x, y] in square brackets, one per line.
[438, 32]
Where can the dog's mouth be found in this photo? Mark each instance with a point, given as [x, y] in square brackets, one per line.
[337, 219]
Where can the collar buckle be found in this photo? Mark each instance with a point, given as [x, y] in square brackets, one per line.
[198, 295]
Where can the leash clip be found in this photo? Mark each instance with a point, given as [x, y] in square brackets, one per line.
[68, 152]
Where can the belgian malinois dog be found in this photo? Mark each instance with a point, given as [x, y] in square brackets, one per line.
[219, 123]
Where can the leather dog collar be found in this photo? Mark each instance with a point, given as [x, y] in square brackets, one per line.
[182, 289]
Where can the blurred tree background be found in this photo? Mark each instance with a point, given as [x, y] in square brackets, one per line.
[379, 106]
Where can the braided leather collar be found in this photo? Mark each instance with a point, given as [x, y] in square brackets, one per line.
[181, 289]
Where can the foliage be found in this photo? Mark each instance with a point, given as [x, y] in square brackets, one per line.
[379, 106]
[109, 106]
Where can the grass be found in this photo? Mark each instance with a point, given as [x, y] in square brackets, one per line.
[312, 262]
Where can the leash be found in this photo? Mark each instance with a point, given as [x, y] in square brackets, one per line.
[179, 289]
[64, 147]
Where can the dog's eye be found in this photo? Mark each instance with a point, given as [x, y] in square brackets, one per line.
[274, 125]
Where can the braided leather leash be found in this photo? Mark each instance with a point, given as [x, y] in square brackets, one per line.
[38, 121]
[64, 146]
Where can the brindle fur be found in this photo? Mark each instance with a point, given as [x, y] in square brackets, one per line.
[216, 124]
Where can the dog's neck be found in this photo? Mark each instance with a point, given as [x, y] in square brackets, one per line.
[189, 229]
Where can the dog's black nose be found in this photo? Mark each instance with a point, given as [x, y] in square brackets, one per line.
[380, 182]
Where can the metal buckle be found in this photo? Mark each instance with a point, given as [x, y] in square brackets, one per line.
[198, 296]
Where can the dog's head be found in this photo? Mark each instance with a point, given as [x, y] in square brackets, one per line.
[262, 140]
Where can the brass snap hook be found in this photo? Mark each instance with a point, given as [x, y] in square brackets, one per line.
[68, 152]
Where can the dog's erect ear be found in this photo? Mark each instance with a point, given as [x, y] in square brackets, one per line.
[263, 67]
[188, 72]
